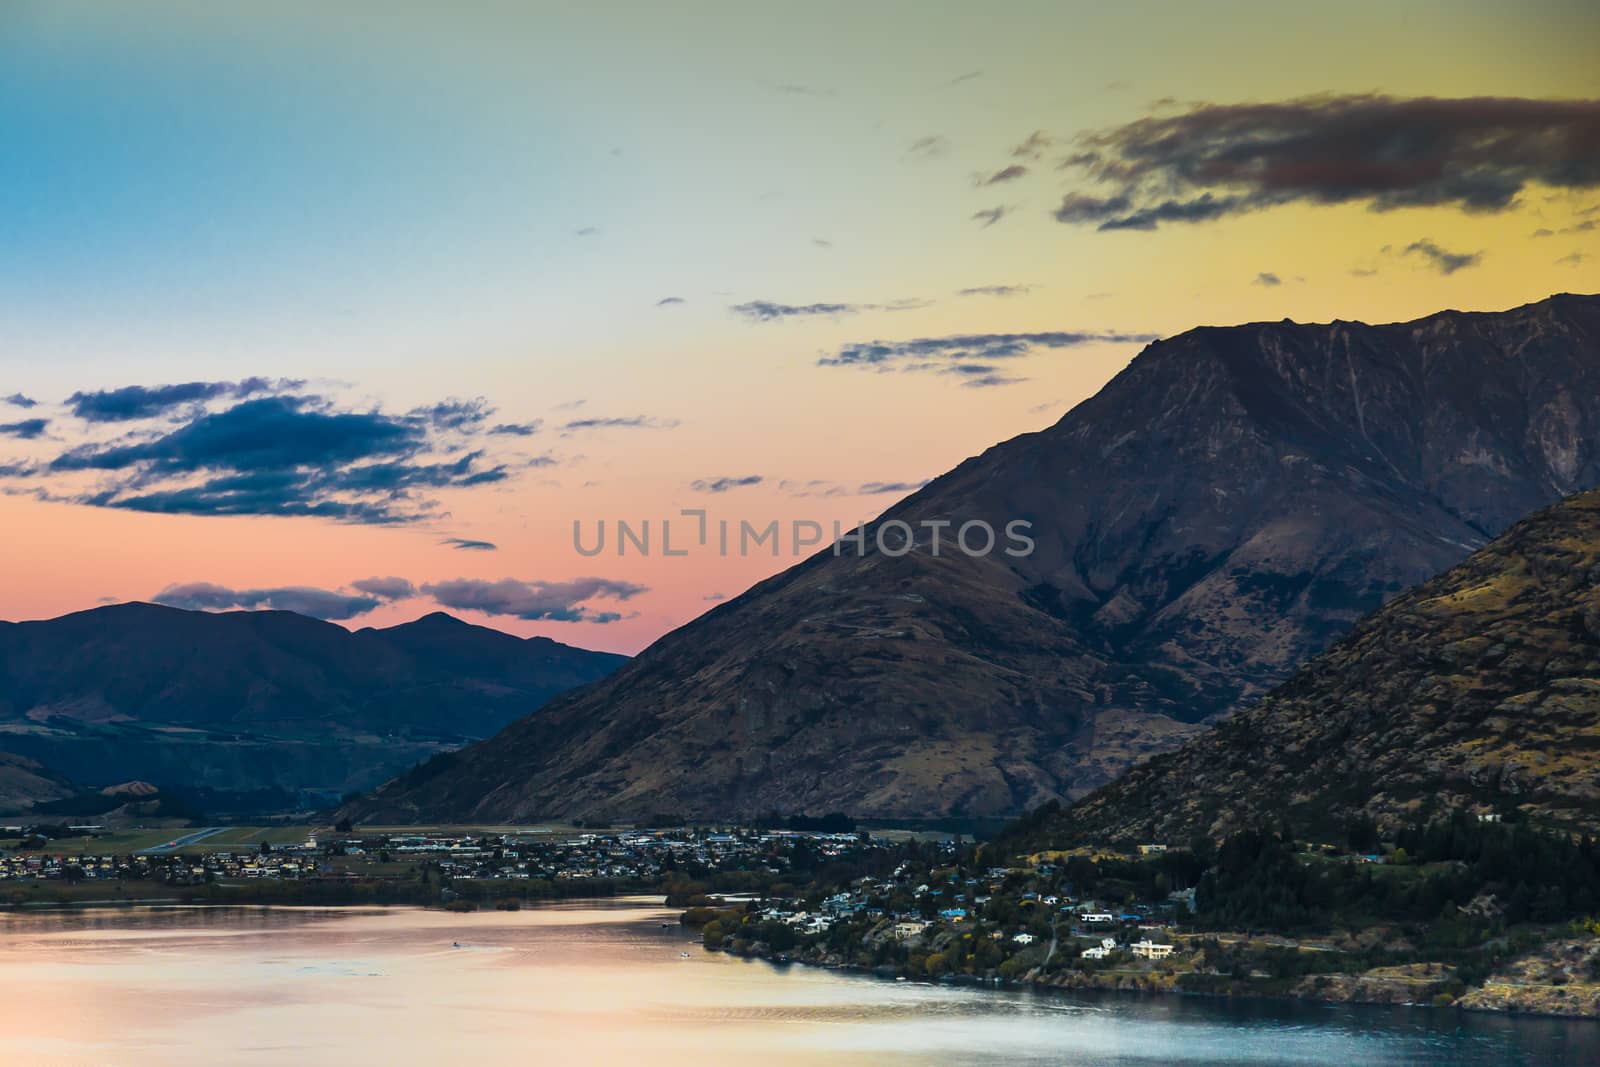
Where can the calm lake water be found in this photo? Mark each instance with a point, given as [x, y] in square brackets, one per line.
[603, 983]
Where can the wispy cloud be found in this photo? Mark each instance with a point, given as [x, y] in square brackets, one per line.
[930, 147]
[1267, 278]
[880, 488]
[18, 400]
[621, 422]
[465, 544]
[723, 484]
[1217, 160]
[1572, 259]
[990, 215]
[771, 311]
[302, 600]
[1443, 260]
[970, 355]
[669, 301]
[1005, 174]
[567, 601]
[995, 290]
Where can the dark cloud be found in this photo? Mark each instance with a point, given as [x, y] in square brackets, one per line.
[464, 544]
[302, 600]
[1444, 261]
[625, 422]
[960, 78]
[1005, 174]
[517, 429]
[559, 601]
[1268, 278]
[669, 301]
[1474, 154]
[1578, 227]
[1034, 147]
[135, 402]
[455, 414]
[390, 588]
[941, 353]
[990, 215]
[1572, 259]
[27, 429]
[18, 400]
[722, 485]
[280, 455]
[877, 488]
[767, 311]
[586, 231]
[994, 290]
[930, 147]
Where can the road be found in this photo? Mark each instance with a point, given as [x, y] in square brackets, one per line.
[185, 841]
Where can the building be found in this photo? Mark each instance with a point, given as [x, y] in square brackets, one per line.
[1023, 939]
[1150, 950]
[903, 930]
[1152, 850]
[1098, 952]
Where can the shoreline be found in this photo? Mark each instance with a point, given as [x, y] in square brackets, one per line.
[1110, 982]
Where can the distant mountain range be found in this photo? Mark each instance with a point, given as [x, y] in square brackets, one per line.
[265, 700]
[1222, 510]
[1478, 690]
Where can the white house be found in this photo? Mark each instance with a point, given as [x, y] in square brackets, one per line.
[1150, 950]
[1098, 917]
[1096, 953]
[1108, 943]
[1023, 939]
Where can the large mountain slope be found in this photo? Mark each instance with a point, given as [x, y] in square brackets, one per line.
[1479, 689]
[1223, 509]
[270, 699]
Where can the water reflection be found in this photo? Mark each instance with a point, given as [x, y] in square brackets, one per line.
[600, 983]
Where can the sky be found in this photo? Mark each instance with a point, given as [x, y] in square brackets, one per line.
[358, 314]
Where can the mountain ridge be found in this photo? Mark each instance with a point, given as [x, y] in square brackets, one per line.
[1228, 504]
[263, 699]
[1476, 690]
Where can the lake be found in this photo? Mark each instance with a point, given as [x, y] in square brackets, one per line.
[603, 983]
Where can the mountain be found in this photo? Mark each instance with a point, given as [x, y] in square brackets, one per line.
[1224, 508]
[25, 783]
[1477, 690]
[264, 700]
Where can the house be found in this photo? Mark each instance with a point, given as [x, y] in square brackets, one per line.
[1152, 850]
[1023, 939]
[954, 915]
[909, 928]
[1108, 943]
[1098, 917]
[1096, 953]
[1150, 950]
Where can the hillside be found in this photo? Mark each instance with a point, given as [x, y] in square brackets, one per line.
[1223, 509]
[1477, 690]
[263, 700]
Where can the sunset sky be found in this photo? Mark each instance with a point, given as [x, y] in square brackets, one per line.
[290, 300]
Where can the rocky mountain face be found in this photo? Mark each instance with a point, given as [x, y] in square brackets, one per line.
[268, 700]
[1223, 509]
[1478, 690]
